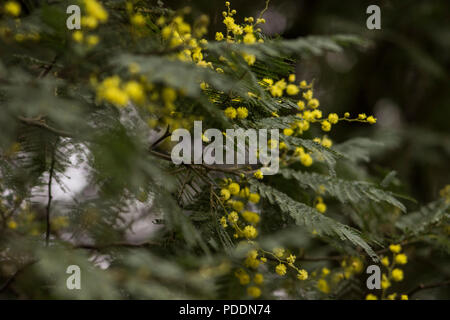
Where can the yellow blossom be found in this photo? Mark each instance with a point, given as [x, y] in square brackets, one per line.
[401, 258]
[251, 217]
[242, 112]
[92, 40]
[395, 248]
[321, 207]
[323, 286]
[333, 118]
[326, 126]
[371, 120]
[292, 89]
[77, 36]
[115, 96]
[243, 277]
[371, 296]
[250, 232]
[135, 91]
[302, 274]
[280, 269]
[254, 198]
[291, 258]
[96, 10]
[234, 188]
[219, 36]
[385, 261]
[313, 103]
[12, 8]
[327, 143]
[169, 95]
[225, 194]
[249, 58]
[397, 274]
[253, 291]
[238, 205]
[306, 159]
[258, 278]
[258, 175]
[288, 131]
[385, 283]
[279, 252]
[233, 217]
[308, 95]
[12, 224]
[392, 296]
[230, 112]
[223, 222]
[249, 38]
[325, 271]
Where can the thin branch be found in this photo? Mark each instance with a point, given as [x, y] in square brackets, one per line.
[50, 197]
[41, 124]
[116, 244]
[48, 68]
[428, 286]
[15, 275]
[166, 134]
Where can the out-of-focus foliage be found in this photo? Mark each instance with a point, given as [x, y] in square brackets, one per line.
[97, 106]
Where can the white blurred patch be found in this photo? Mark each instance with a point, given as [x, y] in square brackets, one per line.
[388, 114]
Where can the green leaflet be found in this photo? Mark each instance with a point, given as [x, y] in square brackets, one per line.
[343, 190]
[431, 214]
[312, 219]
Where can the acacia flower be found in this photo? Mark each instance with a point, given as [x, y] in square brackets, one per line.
[258, 278]
[292, 89]
[225, 194]
[258, 175]
[230, 112]
[12, 8]
[253, 291]
[313, 103]
[234, 188]
[254, 198]
[242, 113]
[395, 248]
[401, 258]
[250, 232]
[397, 274]
[321, 207]
[302, 274]
[280, 269]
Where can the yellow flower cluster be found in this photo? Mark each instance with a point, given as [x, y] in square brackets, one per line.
[96, 14]
[256, 257]
[12, 8]
[235, 197]
[393, 273]
[320, 205]
[232, 113]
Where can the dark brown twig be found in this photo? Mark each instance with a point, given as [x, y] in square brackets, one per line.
[15, 275]
[166, 134]
[50, 197]
[116, 244]
[428, 286]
